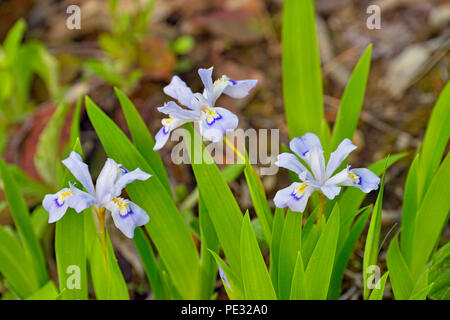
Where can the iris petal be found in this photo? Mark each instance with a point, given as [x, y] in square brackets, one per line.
[336, 157]
[363, 179]
[80, 171]
[215, 129]
[175, 111]
[80, 200]
[290, 161]
[127, 223]
[128, 178]
[239, 89]
[302, 146]
[55, 208]
[106, 180]
[163, 134]
[314, 158]
[178, 90]
[330, 191]
[295, 197]
[206, 76]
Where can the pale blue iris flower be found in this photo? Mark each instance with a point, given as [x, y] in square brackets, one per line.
[213, 121]
[318, 176]
[224, 278]
[106, 194]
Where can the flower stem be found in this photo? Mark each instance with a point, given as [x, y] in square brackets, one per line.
[322, 201]
[232, 146]
[101, 225]
[102, 228]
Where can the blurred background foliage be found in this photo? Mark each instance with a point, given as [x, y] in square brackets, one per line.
[137, 45]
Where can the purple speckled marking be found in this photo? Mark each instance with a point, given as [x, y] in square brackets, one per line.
[129, 212]
[360, 179]
[58, 204]
[233, 82]
[123, 169]
[295, 197]
[165, 130]
[214, 120]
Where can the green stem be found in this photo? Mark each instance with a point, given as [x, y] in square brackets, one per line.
[322, 201]
[101, 225]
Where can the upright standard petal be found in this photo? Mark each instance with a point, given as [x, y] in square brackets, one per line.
[363, 179]
[162, 136]
[336, 157]
[106, 180]
[80, 171]
[302, 146]
[57, 204]
[128, 178]
[216, 122]
[206, 76]
[126, 215]
[290, 161]
[239, 89]
[314, 158]
[178, 90]
[295, 196]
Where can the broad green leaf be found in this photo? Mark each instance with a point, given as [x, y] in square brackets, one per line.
[326, 138]
[166, 227]
[435, 141]
[302, 80]
[440, 274]
[401, 280]
[378, 291]
[422, 287]
[431, 218]
[236, 289]
[409, 211]
[290, 245]
[230, 173]
[255, 277]
[259, 200]
[39, 219]
[47, 292]
[22, 221]
[352, 198]
[298, 287]
[344, 253]
[30, 187]
[371, 248]
[222, 206]
[352, 101]
[209, 242]
[422, 294]
[320, 265]
[70, 249]
[16, 266]
[277, 231]
[107, 278]
[310, 234]
[151, 267]
[142, 138]
[75, 125]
